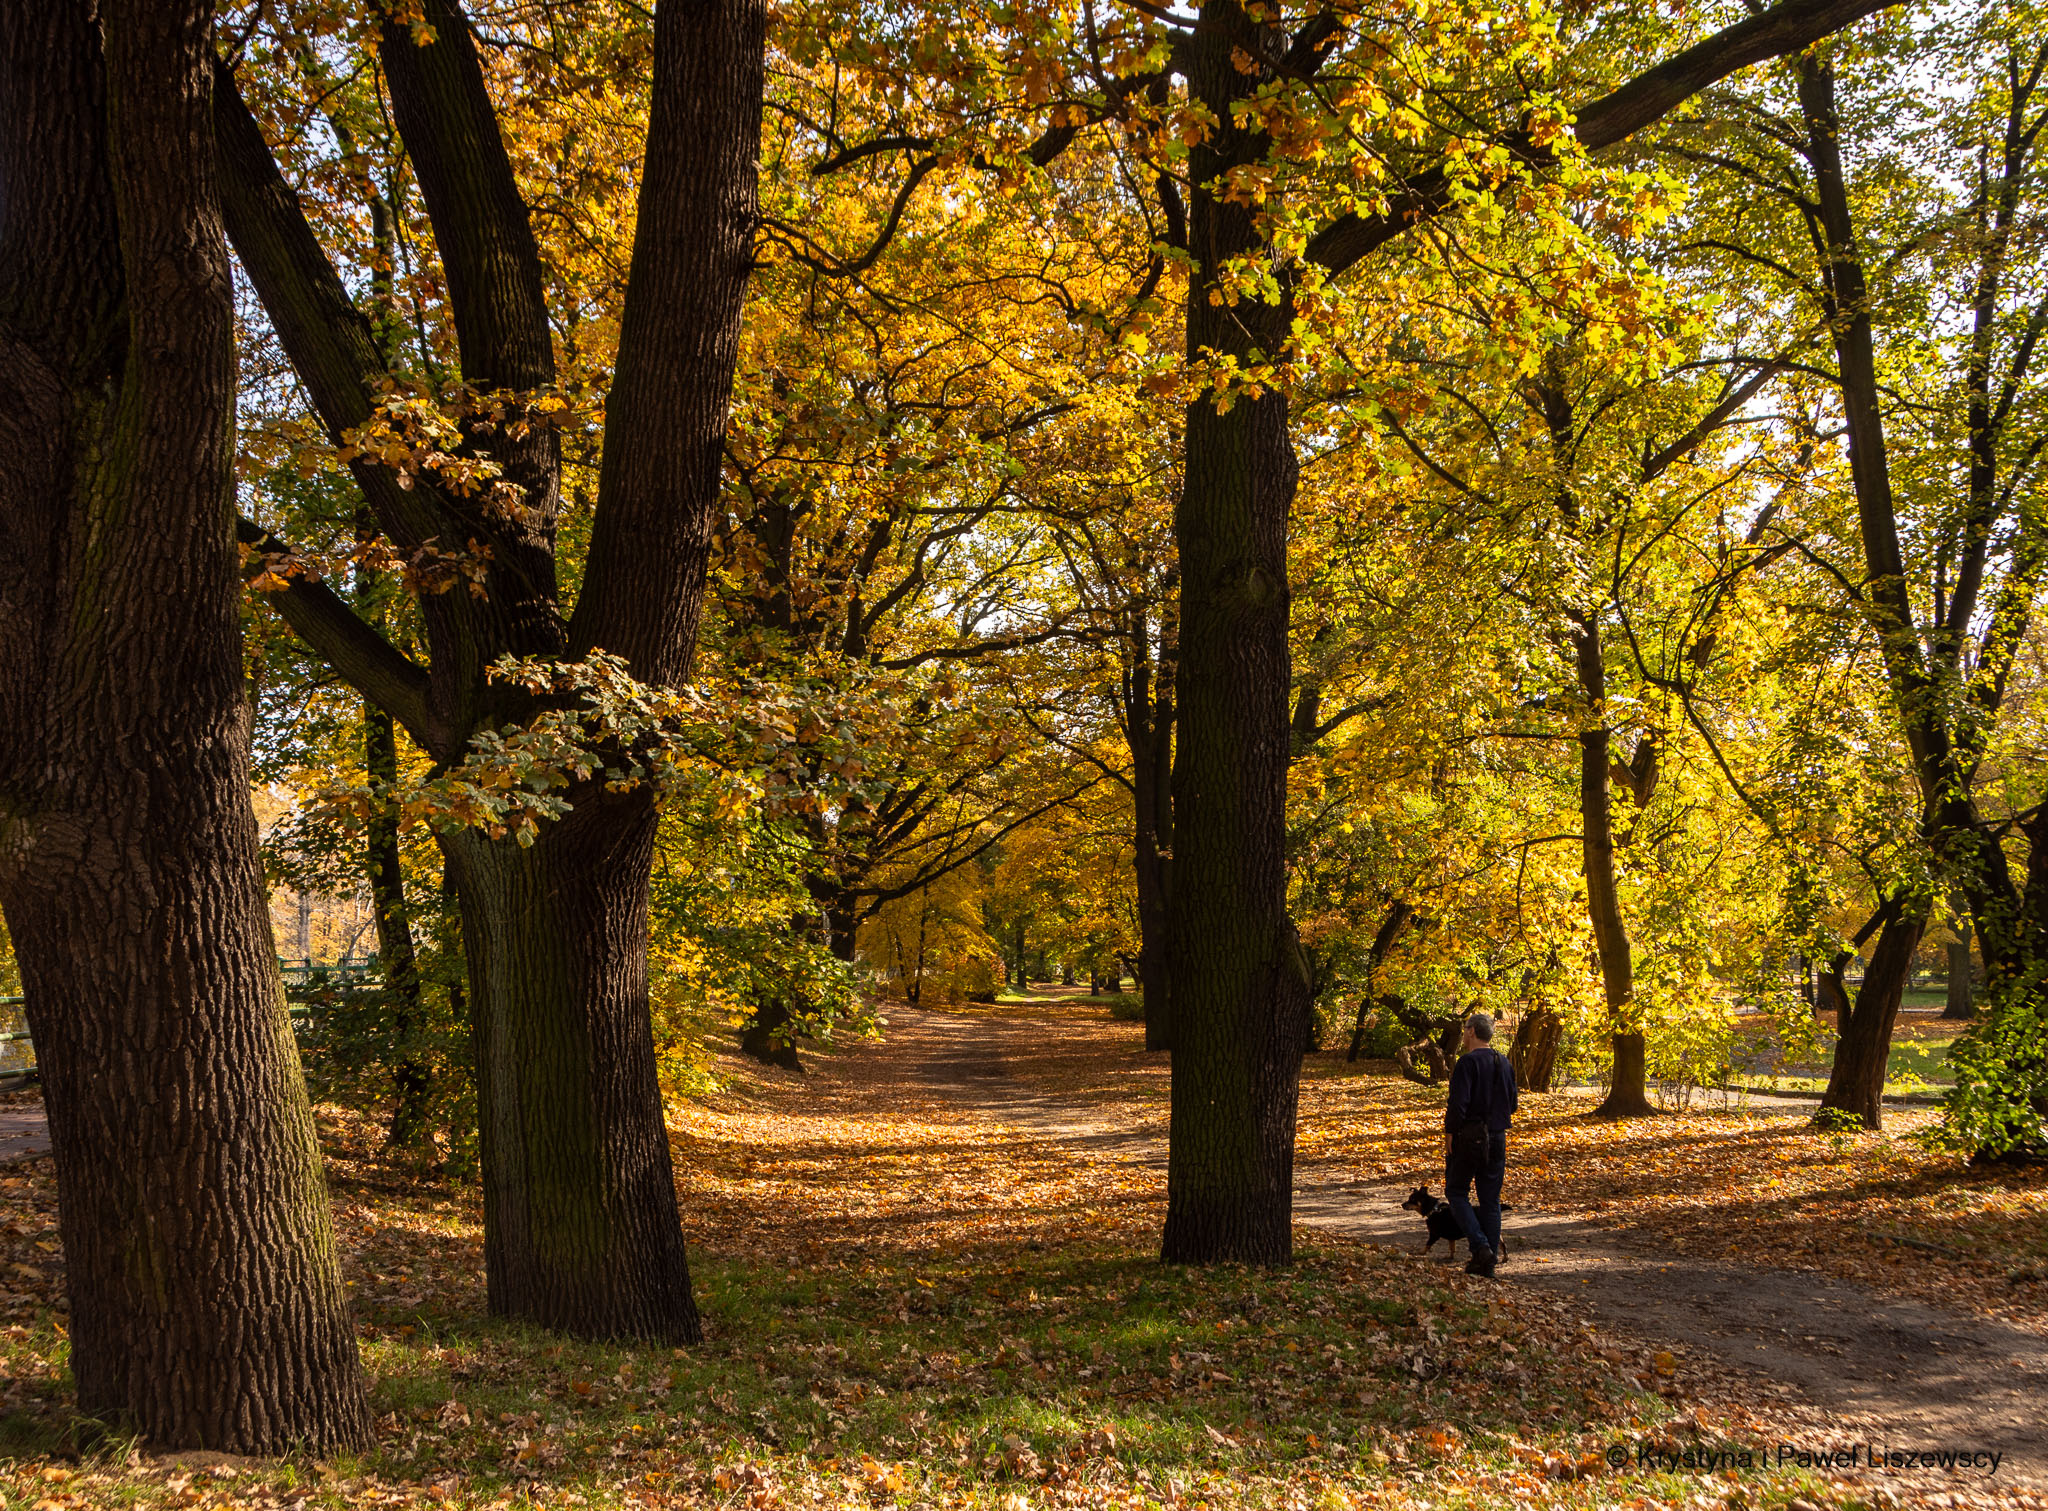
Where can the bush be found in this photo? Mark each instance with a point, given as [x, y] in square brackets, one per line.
[1998, 1108]
[407, 1063]
[1126, 1007]
[975, 979]
[1384, 1034]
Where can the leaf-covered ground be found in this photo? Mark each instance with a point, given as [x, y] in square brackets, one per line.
[906, 1307]
[1756, 1181]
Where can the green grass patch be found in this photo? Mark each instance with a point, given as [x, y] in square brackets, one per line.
[1915, 1066]
[1035, 1378]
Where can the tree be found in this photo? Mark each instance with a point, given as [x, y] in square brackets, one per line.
[207, 1305]
[1899, 219]
[1291, 156]
[464, 479]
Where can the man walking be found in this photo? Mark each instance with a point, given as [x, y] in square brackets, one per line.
[1476, 1139]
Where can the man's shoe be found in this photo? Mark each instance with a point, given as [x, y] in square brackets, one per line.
[1481, 1263]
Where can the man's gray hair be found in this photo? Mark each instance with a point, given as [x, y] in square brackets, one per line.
[1481, 1026]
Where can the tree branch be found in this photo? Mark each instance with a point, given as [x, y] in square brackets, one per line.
[1614, 117]
[340, 637]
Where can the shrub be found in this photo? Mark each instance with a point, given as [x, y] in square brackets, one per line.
[1384, 1034]
[1998, 1108]
[1127, 1007]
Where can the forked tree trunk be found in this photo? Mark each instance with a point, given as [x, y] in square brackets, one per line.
[580, 1223]
[1863, 1044]
[1241, 986]
[580, 1207]
[207, 1307]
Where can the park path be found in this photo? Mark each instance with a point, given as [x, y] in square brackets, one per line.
[24, 1132]
[1912, 1376]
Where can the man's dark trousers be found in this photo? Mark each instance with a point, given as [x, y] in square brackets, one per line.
[1482, 1228]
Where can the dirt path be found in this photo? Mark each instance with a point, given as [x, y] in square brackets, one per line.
[1913, 1377]
[24, 1133]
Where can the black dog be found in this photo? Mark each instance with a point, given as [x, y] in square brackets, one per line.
[1442, 1222]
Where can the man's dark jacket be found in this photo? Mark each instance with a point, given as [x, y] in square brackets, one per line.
[1482, 1091]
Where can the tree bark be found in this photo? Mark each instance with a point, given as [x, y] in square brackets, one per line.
[207, 1308]
[1241, 983]
[1534, 1051]
[580, 1226]
[412, 1080]
[1864, 1031]
[1962, 996]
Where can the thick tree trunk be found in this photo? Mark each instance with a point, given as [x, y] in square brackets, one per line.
[1241, 985]
[1534, 1051]
[580, 1224]
[1863, 1043]
[207, 1307]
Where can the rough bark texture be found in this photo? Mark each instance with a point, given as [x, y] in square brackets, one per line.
[1864, 1029]
[207, 1307]
[580, 1226]
[1241, 987]
[1534, 1052]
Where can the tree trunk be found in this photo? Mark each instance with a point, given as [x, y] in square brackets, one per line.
[1241, 983]
[1148, 724]
[557, 971]
[206, 1302]
[1397, 919]
[1628, 1092]
[1962, 996]
[1864, 1041]
[1534, 1051]
[580, 1224]
[768, 1038]
[412, 1081]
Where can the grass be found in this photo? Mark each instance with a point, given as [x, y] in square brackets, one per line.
[1037, 1377]
[1918, 1065]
